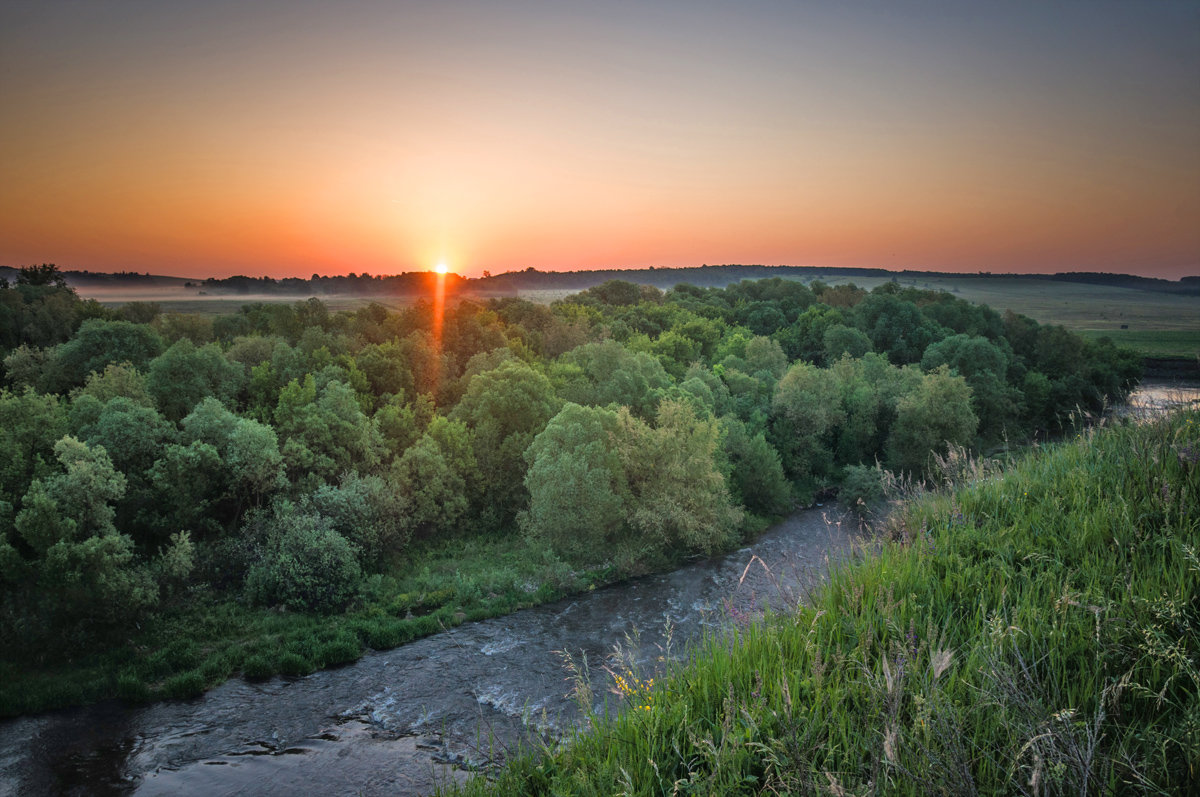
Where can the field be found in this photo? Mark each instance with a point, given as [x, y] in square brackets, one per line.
[189, 300]
[1154, 324]
[1158, 324]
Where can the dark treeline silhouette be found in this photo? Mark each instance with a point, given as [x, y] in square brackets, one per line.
[282, 454]
[664, 278]
[413, 283]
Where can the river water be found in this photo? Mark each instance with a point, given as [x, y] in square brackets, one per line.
[1157, 396]
[405, 720]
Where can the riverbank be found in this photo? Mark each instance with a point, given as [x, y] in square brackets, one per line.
[206, 637]
[1038, 627]
[404, 720]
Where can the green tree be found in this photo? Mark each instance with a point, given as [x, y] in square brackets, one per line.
[599, 374]
[305, 564]
[985, 366]
[434, 475]
[896, 327]
[401, 424]
[183, 375]
[679, 499]
[118, 380]
[186, 481]
[840, 339]
[250, 460]
[30, 424]
[756, 478]
[930, 419]
[804, 339]
[577, 485]
[78, 568]
[386, 369]
[40, 310]
[505, 409]
[805, 410]
[370, 514]
[325, 430]
[28, 367]
[132, 434]
[98, 343]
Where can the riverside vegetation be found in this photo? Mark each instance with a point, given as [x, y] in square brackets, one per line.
[186, 497]
[1032, 629]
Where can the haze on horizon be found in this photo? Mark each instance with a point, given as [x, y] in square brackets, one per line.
[286, 138]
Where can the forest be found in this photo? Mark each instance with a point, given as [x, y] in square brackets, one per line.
[298, 461]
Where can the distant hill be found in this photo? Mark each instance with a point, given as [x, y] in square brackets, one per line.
[720, 276]
[117, 279]
[512, 282]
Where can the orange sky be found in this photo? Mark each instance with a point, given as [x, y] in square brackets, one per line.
[285, 139]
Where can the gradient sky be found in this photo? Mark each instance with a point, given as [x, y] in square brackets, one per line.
[286, 138]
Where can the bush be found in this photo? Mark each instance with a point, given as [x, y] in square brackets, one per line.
[307, 566]
[862, 486]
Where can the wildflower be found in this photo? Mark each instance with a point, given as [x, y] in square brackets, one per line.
[629, 686]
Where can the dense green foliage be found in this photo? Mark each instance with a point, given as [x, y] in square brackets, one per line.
[286, 456]
[1033, 631]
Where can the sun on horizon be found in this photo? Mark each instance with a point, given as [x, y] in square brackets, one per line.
[1017, 137]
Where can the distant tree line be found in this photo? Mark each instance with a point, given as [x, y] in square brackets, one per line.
[664, 278]
[284, 452]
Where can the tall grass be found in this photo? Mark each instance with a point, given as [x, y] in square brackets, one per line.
[1034, 632]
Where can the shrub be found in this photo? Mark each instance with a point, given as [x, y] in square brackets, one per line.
[307, 566]
[862, 486]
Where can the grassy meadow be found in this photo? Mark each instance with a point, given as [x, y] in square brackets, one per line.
[1029, 628]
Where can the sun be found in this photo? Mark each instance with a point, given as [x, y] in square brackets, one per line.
[440, 268]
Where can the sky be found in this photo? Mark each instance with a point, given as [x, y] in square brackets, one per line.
[290, 138]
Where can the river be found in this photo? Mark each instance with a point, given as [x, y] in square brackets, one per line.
[1155, 396]
[405, 720]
